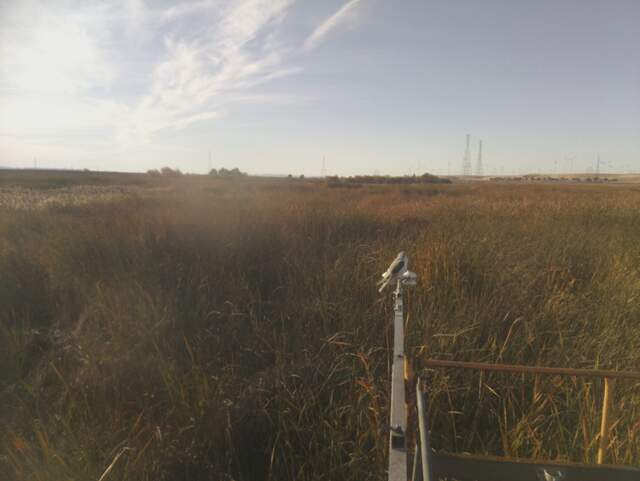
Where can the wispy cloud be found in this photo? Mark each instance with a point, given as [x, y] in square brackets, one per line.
[187, 8]
[190, 84]
[346, 15]
[127, 69]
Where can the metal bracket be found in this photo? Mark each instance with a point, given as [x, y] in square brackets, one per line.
[398, 440]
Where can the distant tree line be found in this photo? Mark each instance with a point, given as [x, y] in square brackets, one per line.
[542, 178]
[383, 179]
[165, 172]
[222, 172]
[169, 172]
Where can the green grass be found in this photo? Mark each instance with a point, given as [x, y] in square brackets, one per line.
[219, 329]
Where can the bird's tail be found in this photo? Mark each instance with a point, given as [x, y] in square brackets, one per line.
[385, 279]
[383, 284]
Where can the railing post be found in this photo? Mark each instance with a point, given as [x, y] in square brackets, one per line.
[605, 421]
[425, 446]
[416, 472]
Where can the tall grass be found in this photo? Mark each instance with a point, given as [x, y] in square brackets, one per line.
[232, 330]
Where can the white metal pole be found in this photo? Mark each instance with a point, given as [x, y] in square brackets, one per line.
[398, 416]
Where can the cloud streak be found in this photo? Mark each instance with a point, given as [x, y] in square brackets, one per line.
[190, 84]
[344, 16]
[129, 69]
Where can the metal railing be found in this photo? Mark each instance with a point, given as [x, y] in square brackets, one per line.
[609, 377]
[423, 456]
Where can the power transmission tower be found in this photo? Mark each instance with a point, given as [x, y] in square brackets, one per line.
[479, 168]
[466, 163]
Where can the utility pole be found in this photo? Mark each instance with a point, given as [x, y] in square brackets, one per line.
[479, 167]
[466, 163]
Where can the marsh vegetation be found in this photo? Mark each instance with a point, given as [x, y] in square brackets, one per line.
[213, 328]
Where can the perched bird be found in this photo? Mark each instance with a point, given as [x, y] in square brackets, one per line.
[552, 474]
[396, 270]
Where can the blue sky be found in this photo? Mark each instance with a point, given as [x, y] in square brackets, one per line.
[270, 86]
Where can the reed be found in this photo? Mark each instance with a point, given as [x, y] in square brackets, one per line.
[204, 329]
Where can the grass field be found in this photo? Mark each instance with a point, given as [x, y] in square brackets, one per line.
[210, 329]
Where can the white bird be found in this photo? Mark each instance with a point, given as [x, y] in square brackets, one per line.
[552, 474]
[396, 270]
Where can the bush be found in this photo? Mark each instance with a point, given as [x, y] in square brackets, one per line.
[233, 173]
[169, 172]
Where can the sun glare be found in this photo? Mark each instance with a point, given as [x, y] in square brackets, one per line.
[60, 59]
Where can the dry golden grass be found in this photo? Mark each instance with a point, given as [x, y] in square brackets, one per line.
[222, 329]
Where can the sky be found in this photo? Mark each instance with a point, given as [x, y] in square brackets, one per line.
[275, 86]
